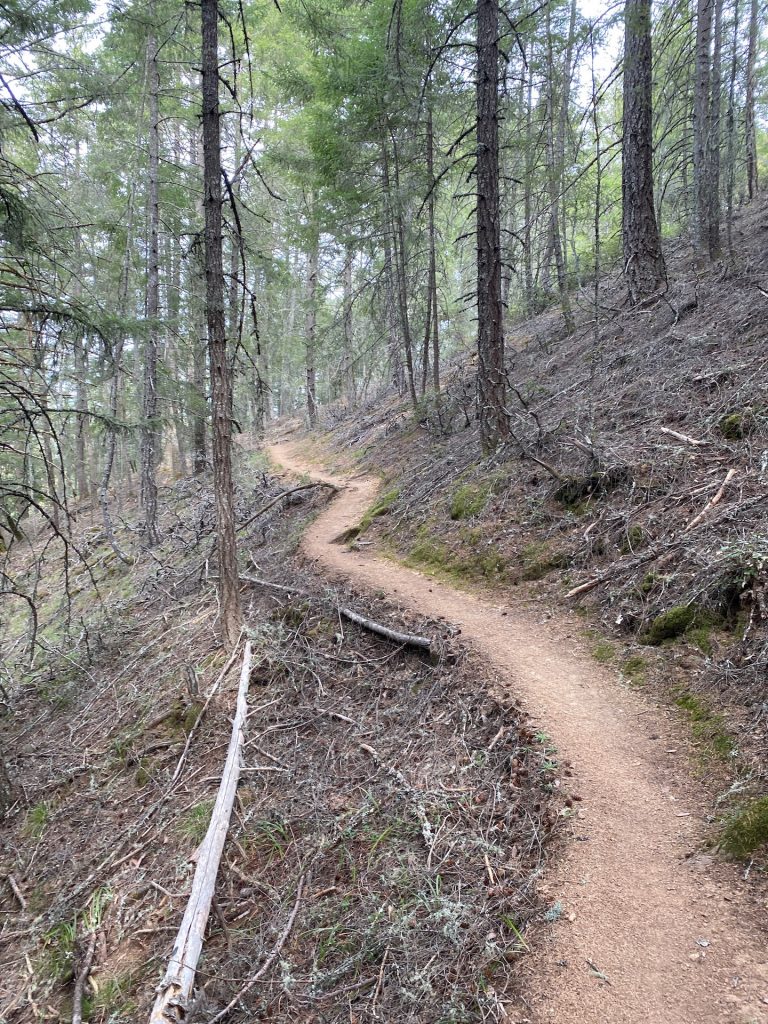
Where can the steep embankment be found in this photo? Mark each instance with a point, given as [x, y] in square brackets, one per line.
[648, 930]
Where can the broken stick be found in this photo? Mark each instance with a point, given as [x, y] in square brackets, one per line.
[712, 501]
[175, 990]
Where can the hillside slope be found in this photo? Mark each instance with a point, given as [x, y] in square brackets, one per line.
[637, 472]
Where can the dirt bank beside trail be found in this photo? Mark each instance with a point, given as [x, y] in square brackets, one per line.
[647, 933]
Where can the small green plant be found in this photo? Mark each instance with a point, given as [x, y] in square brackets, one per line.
[270, 836]
[195, 822]
[36, 820]
[603, 651]
[57, 959]
[469, 501]
[634, 669]
[707, 726]
[538, 560]
[735, 426]
[746, 829]
[112, 998]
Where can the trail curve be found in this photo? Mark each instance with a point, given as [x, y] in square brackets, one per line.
[677, 942]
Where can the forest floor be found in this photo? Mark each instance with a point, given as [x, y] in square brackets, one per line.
[401, 807]
[649, 927]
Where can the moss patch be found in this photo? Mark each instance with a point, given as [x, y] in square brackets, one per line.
[670, 624]
[603, 652]
[539, 559]
[381, 507]
[746, 830]
[469, 501]
[634, 669]
[735, 426]
[707, 726]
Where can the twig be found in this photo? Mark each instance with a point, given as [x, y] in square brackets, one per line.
[273, 955]
[85, 970]
[583, 588]
[712, 501]
[16, 891]
[681, 437]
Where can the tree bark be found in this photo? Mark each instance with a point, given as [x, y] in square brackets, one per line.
[432, 330]
[701, 129]
[348, 366]
[149, 429]
[221, 383]
[310, 330]
[715, 109]
[749, 111]
[643, 259]
[731, 127]
[491, 389]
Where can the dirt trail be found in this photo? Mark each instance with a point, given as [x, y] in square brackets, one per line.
[676, 942]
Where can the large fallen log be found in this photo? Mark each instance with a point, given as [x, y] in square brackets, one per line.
[175, 990]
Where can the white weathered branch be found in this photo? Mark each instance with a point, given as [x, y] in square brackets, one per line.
[175, 990]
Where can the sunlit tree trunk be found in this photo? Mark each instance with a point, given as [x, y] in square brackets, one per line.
[310, 330]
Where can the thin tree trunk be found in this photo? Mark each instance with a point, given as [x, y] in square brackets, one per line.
[221, 385]
[310, 331]
[554, 182]
[432, 327]
[401, 276]
[491, 389]
[528, 197]
[749, 111]
[390, 304]
[149, 429]
[199, 401]
[701, 126]
[81, 408]
[643, 260]
[731, 126]
[348, 368]
[715, 109]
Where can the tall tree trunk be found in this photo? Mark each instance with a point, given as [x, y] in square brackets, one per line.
[401, 268]
[149, 429]
[81, 409]
[432, 331]
[115, 385]
[731, 127]
[221, 383]
[715, 109]
[310, 330]
[555, 175]
[390, 302]
[528, 195]
[199, 402]
[491, 387]
[749, 105]
[701, 127]
[643, 259]
[348, 367]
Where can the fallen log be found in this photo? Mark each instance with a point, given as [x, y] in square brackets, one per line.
[584, 588]
[175, 990]
[271, 504]
[408, 639]
[423, 643]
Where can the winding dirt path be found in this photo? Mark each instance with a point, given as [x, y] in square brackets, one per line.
[675, 939]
